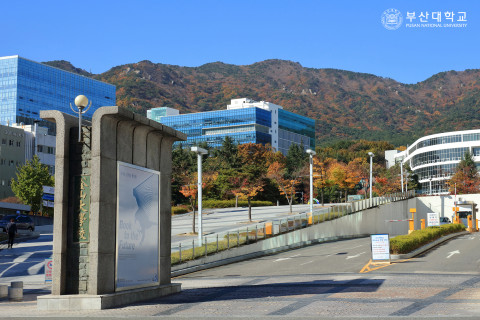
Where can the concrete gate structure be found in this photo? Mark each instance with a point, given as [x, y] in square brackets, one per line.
[86, 230]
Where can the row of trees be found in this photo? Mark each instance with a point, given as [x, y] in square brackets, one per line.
[255, 172]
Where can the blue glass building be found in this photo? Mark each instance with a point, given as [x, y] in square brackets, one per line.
[245, 121]
[26, 87]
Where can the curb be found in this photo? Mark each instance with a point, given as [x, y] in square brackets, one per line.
[427, 247]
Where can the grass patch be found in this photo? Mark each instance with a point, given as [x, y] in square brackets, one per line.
[407, 243]
[179, 210]
[228, 242]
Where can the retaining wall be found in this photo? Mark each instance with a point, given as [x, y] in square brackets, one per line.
[359, 224]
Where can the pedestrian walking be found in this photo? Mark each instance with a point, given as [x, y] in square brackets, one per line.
[12, 231]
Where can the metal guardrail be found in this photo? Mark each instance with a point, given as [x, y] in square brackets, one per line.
[212, 244]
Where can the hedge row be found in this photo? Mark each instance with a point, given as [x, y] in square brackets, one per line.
[179, 210]
[407, 243]
[231, 203]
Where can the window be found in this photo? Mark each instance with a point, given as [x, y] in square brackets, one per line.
[10, 142]
[4, 141]
[19, 144]
[11, 163]
[39, 148]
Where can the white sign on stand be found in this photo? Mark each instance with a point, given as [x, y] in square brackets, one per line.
[380, 247]
[433, 219]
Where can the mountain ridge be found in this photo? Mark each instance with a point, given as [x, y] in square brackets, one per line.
[346, 104]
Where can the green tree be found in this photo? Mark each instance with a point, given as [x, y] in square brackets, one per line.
[31, 178]
[296, 158]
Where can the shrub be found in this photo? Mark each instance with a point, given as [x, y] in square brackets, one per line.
[231, 203]
[416, 239]
[179, 210]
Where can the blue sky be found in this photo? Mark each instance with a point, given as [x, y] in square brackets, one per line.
[98, 35]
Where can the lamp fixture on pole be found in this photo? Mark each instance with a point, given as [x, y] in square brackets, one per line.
[81, 102]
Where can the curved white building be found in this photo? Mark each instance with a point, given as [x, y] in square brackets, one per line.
[434, 158]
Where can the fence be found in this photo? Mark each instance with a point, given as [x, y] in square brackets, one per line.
[212, 244]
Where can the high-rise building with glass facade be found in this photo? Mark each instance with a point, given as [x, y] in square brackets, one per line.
[26, 87]
[245, 121]
[434, 158]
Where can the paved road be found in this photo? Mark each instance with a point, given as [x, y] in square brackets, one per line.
[317, 282]
[25, 261]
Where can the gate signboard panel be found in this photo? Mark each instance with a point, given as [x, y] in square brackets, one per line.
[137, 262]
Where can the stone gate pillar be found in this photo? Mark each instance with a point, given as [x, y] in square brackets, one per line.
[112, 208]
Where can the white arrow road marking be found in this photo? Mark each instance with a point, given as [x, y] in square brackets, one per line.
[355, 256]
[36, 268]
[452, 253]
[281, 259]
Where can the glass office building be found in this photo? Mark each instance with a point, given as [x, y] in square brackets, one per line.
[26, 87]
[245, 121]
[435, 158]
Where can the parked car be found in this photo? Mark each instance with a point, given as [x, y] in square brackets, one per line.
[444, 220]
[23, 222]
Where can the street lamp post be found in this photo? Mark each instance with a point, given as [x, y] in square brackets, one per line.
[371, 167]
[200, 152]
[401, 173]
[81, 102]
[311, 153]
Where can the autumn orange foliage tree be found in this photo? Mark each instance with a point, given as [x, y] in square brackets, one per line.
[190, 189]
[286, 183]
[465, 179]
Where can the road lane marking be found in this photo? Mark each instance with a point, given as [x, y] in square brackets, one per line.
[23, 257]
[282, 259]
[35, 268]
[450, 254]
[372, 266]
[355, 256]
[306, 263]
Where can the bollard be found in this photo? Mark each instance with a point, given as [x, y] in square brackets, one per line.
[15, 292]
[310, 219]
[3, 291]
[180, 252]
[422, 223]
[470, 224]
[268, 228]
[411, 222]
